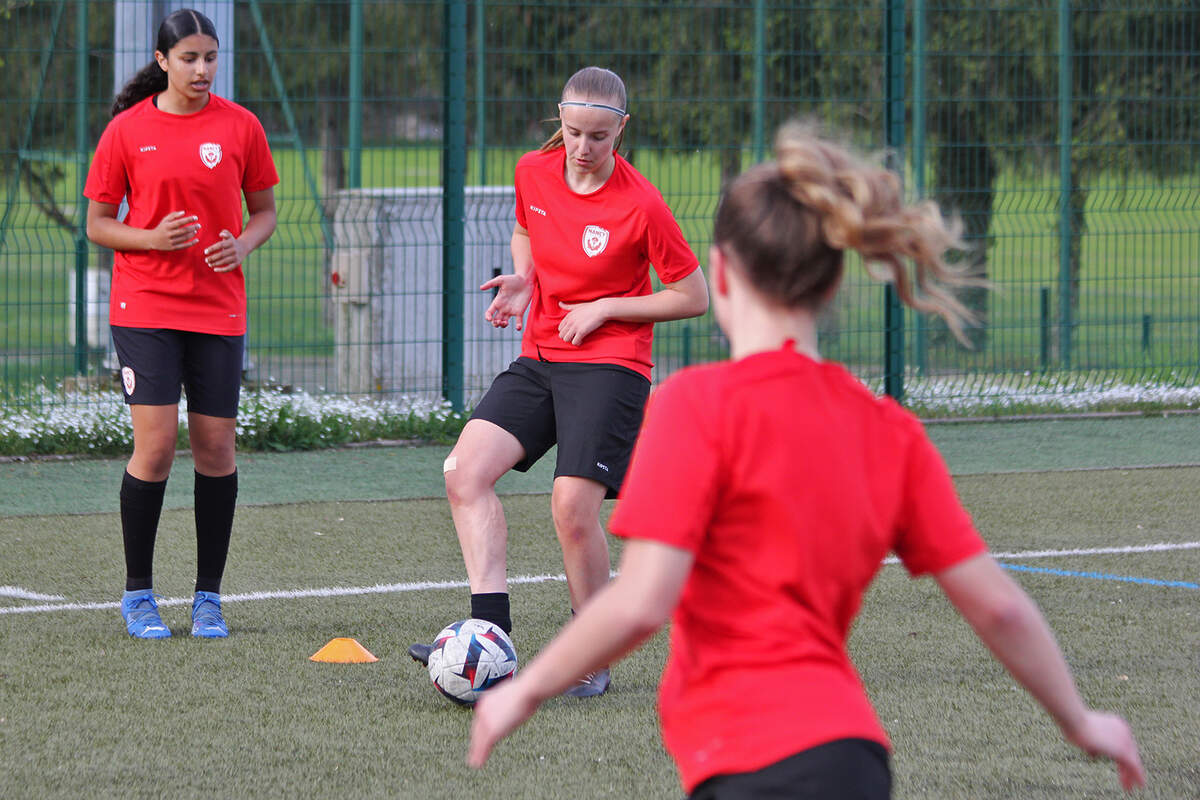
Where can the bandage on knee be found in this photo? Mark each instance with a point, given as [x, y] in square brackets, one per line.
[450, 464]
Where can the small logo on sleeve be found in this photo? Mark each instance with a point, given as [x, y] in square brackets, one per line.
[210, 154]
[147, 148]
[595, 239]
[537, 210]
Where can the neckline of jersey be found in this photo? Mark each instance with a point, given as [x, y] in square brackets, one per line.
[191, 115]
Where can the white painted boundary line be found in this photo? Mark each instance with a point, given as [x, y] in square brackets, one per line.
[419, 586]
[1162, 547]
[18, 593]
[286, 594]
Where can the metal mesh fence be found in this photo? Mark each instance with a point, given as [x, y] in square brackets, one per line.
[1063, 133]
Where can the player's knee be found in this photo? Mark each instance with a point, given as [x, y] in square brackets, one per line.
[155, 456]
[461, 486]
[573, 522]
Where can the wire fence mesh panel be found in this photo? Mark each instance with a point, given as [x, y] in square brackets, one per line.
[1063, 134]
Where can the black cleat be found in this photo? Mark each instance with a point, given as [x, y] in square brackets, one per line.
[591, 685]
[420, 653]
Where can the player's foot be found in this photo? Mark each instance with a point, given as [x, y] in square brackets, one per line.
[591, 685]
[207, 622]
[141, 615]
[420, 653]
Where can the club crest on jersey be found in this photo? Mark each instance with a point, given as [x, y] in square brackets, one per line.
[210, 154]
[595, 239]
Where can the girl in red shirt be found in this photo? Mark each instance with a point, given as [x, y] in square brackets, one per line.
[589, 229]
[763, 496]
[182, 158]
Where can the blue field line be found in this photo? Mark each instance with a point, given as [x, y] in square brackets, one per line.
[1101, 576]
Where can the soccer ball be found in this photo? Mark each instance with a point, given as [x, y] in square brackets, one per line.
[469, 657]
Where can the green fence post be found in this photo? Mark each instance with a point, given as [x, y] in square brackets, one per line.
[918, 151]
[481, 88]
[454, 176]
[354, 171]
[893, 118]
[1044, 326]
[760, 79]
[1064, 178]
[81, 157]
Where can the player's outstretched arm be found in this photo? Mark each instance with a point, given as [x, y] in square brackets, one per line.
[513, 292]
[616, 620]
[1010, 624]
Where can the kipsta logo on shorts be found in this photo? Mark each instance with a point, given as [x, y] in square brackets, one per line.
[128, 379]
[595, 239]
[210, 154]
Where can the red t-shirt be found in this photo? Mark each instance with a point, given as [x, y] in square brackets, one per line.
[790, 482]
[199, 163]
[588, 246]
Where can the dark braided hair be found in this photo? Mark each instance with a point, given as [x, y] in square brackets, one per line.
[151, 79]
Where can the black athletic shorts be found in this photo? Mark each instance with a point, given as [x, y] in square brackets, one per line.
[156, 362]
[593, 412]
[845, 769]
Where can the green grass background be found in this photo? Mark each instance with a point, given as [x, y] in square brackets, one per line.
[86, 711]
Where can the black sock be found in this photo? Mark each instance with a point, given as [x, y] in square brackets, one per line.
[141, 506]
[492, 606]
[216, 499]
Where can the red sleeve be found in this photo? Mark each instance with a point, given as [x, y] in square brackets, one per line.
[260, 166]
[668, 251]
[935, 530]
[107, 181]
[671, 487]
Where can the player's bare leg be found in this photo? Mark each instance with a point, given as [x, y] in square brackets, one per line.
[575, 504]
[483, 453]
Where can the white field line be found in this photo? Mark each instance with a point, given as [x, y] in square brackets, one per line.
[18, 593]
[1090, 551]
[419, 586]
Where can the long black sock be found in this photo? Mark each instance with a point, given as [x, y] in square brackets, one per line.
[141, 506]
[492, 606]
[216, 499]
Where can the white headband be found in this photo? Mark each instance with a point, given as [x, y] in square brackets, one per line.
[620, 112]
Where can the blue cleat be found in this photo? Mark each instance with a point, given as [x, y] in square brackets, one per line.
[141, 615]
[593, 684]
[207, 622]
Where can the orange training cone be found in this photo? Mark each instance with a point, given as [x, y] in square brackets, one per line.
[343, 651]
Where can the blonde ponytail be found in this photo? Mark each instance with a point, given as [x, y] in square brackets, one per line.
[790, 222]
[861, 208]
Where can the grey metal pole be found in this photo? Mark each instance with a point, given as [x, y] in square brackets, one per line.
[221, 14]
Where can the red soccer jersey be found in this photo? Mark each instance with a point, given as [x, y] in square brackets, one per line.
[790, 482]
[199, 163]
[588, 246]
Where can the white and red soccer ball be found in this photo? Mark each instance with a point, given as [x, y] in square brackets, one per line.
[469, 657]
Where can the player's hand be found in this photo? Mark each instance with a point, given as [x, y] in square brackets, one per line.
[175, 231]
[499, 712]
[513, 293]
[581, 320]
[226, 254]
[1108, 736]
